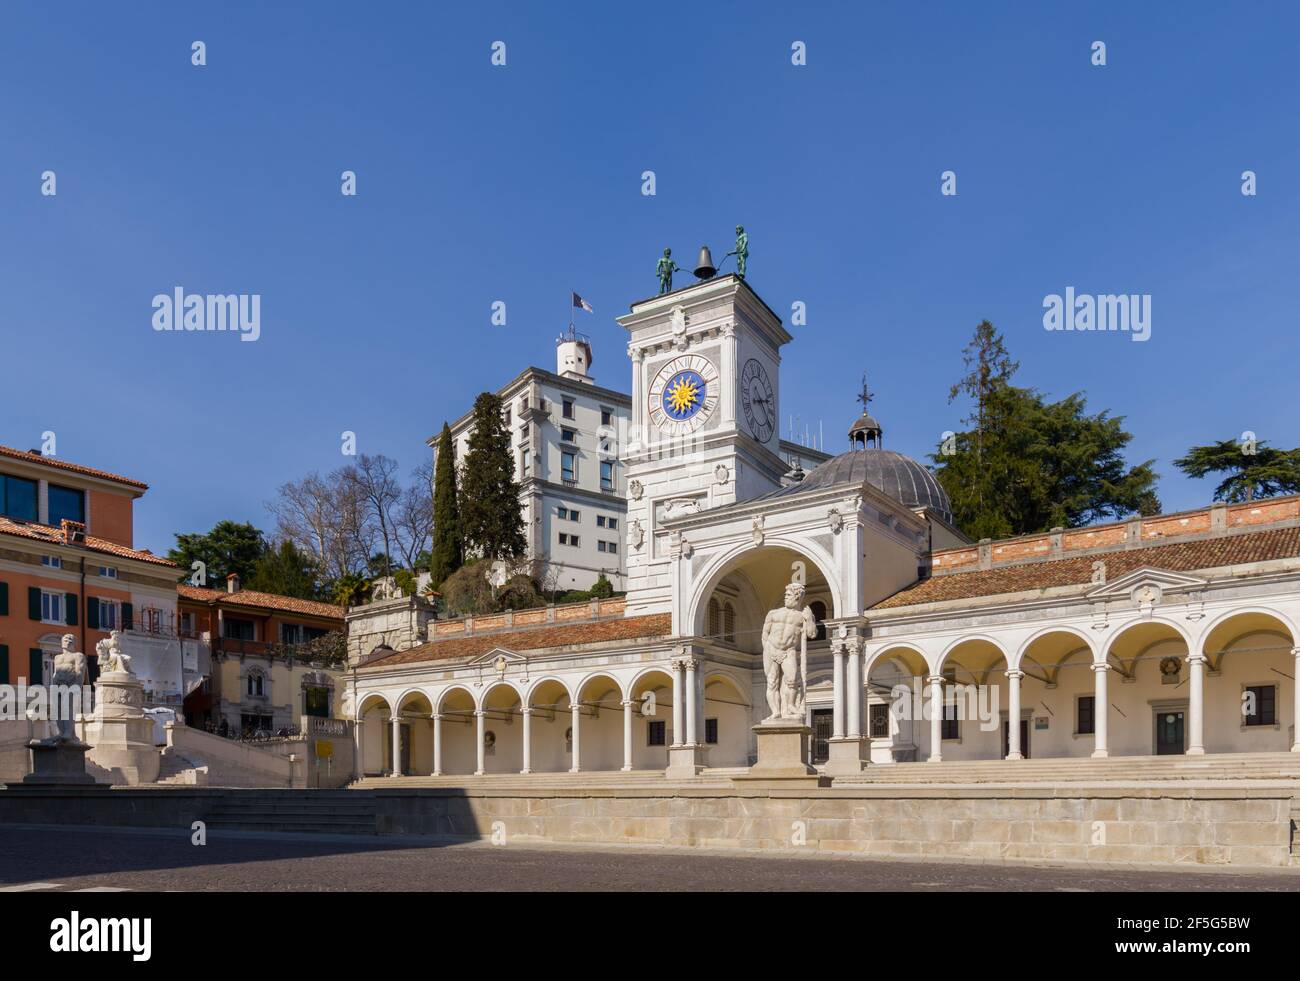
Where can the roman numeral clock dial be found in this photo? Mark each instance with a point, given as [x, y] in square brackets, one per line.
[683, 395]
[758, 400]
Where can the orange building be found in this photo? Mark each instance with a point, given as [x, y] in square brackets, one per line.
[270, 660]
[68, 564]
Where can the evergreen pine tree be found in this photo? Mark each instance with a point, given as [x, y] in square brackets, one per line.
[447, 554]
[1254, 469]
[491, 517]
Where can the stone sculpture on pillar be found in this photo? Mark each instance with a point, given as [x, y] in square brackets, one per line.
[121, 735]
[61, 759]
[786, 632]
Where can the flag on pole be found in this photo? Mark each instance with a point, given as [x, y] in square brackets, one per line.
[580, 303]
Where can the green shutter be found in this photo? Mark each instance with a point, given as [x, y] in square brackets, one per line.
[128, 616]
[4, 599]
[35, 666]
[4, 663]
[70, 609]
[92, 613]
[33, 602]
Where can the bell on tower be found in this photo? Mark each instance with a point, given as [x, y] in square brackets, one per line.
[866, 432]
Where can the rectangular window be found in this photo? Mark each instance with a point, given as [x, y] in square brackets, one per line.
[606, 475]
[1263, 700]
[568, 466]
[600, 546]
[879, 721]
[187, 625]
[1085, 717]
[237, 629]
[291, 633]
[53, 561]
[523, 462]
[51, 607]
[611, 547]
[568, 408]
[568, 436]
[566, 539]
[600, 521]
[316, 701]
[18, 498]
[562, 512]
[108, 615]
[108, 571]
[711, 731]
[66, 502]
[611, 522]
[606, 417]
[656, 733]
[950, 727]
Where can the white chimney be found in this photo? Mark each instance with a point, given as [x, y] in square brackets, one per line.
[232, 582]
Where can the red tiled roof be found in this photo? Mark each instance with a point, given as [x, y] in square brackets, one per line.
[1186, 556]
[257, 600]
[554, 635]
[54, 536]
[49, 461]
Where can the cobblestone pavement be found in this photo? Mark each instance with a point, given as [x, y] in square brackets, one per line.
[153, 861]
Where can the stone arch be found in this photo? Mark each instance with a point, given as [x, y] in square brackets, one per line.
[549, 699]
[651, 717]
[455, 706]
[736, 557]
[985, 649]
[374, 710]
[1046, 632]
[727, 704]
[1254, 619]
[415, 710]
[441, 700]
[544, 680]
[503, 732]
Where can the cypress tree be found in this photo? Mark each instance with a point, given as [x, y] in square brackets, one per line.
[447, 554]
[491, 517]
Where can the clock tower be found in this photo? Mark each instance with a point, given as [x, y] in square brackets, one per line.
[705, 418]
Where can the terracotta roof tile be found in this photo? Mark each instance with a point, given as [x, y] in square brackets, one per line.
[49, 461]
[54, 536]
[257, 600]
[556, 635]
[1186, 556]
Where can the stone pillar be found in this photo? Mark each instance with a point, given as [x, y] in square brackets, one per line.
[677, 703]
[576, 723]
[480, 729]
[638, 411]
[1196, 705]
[1295, 686]
[729, 374]
[855, 691]
[396, 761]
[437, 745]
[692, 707]
[527, 714]
[1013, 715]
[627, 733]
[936, 718]
[838, 696]
[1100, 709]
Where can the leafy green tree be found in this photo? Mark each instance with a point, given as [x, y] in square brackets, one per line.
[491, 517]
[1027, 464]
[229, 547]
[286, 571]
[1254, 469]
[448, 554]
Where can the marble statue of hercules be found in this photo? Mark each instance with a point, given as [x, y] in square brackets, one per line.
[69, 669]
[781, 632]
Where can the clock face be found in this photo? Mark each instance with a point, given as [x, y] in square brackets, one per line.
[758, 401]
[684, 394]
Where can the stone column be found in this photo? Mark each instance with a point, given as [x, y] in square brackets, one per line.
[527, 714]
[692, 707]
[638, 410]
[729, 376]
[1100, 709]
[1295, 685]
[1196, 705]
[576, 712]
[397, 747]
[1013, 715]
[627, 732]
[936, 718]
[855, 691]
[677, 703]
[838, 696]
[437, 745]
[480, 729]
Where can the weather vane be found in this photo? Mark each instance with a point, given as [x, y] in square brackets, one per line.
[866, 395]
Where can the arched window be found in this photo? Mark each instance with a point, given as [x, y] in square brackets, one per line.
[255, 683]
[819, 611]
[729, 623]
[715, 619]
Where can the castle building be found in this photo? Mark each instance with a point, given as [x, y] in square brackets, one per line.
[1167, 635]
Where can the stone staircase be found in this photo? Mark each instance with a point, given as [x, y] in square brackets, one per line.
[296, 813]
[175, 770]
[540, 781]
[1122, 769]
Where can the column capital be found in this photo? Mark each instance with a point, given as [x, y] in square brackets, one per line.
[1015, 673]
[627, 702]
[479, 713]
[1295, 651]
[436, 717]
[1197, 658]
[1103, 666]
[935, 679]
[526, 710]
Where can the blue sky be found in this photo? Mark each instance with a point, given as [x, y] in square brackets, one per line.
[479, 183]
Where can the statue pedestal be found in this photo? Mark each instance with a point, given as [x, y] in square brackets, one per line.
[121, 735]
[685, 761]
[782, 759]
[58, 762]
[845, 756]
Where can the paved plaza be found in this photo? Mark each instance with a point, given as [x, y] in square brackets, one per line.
[102, 860]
